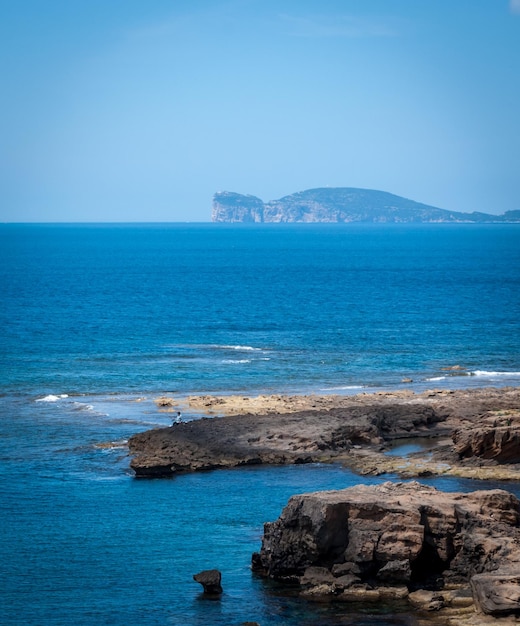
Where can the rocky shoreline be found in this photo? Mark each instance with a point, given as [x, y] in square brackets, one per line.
[476, 433]
[455, 558]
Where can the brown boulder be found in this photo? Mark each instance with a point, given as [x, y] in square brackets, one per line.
[497, 594]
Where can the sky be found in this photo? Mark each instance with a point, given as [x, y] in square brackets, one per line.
[133, 111]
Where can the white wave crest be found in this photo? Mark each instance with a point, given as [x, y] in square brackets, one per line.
[238, 347]
[344, 388]
[434, 379]
[236, 361]
[52, 398]
[82, 406]
[487, 374]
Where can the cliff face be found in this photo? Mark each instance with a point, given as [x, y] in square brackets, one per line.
[341, 204]
[392, 540]
[496, 437]
[235, 207]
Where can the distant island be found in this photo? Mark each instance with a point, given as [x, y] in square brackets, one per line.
[340, 204]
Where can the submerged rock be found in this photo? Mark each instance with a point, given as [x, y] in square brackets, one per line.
[363, 542]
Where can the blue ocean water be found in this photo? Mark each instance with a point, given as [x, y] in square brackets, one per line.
[98, 320]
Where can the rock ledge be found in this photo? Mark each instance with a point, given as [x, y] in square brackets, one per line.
[354, 430]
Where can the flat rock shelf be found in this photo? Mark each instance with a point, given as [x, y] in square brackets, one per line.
[477, 433]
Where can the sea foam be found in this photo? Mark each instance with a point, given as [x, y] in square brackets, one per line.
[52, 398]
[237, 347]
[236, 361]
[487, 374]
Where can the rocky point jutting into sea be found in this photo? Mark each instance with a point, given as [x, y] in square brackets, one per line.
[454, 553]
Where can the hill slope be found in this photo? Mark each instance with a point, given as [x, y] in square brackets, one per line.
[339, 204]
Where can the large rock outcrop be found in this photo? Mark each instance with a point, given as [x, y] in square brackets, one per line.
[390, 540]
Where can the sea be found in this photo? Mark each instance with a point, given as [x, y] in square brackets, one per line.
[99, 320]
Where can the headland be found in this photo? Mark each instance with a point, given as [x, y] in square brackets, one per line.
[343, 205]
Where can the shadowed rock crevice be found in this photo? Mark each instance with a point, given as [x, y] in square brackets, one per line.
[426, 572]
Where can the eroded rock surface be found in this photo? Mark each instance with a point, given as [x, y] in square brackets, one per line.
[495, 437]
[353, 430]
[376, 542]
[298, 437]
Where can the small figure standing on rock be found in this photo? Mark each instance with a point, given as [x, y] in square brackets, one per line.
[178, 419]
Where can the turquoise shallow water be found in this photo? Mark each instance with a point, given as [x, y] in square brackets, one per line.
[98, 320]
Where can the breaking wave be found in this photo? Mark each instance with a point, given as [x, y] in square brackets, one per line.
[52, 398]
[487, 374]
[234, 361]
[344, 388]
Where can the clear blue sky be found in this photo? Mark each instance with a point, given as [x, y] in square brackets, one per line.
[133, 110]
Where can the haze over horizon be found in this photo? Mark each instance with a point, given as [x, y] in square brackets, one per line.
[127, 111]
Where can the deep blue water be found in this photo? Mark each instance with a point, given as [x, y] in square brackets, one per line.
[96, 321]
